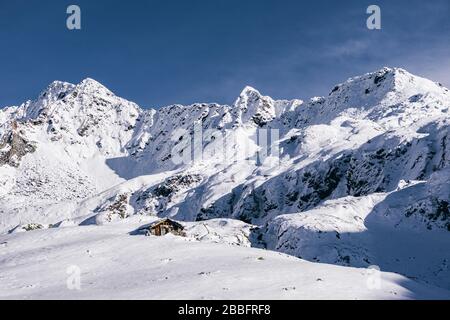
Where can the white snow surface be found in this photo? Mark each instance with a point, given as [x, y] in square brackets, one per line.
[114, 265]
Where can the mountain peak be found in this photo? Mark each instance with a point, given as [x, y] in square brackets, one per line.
[249, 90]
[55, 88]
[91, 82]
[252, 105]
[90, 85]
[376, 85]
[249, 95]
[395, 79]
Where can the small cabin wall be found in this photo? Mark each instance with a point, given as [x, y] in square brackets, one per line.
[164, 227]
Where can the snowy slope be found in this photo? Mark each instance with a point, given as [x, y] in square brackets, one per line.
[114, 265]
[362, 232]
[362, 173]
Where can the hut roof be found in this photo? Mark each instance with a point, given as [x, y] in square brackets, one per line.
[165, 220]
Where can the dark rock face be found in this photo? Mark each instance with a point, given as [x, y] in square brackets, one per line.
[175, 184]
[13, 147]
[263, 116]
[119, 207]
[155, 200]
[435, 212]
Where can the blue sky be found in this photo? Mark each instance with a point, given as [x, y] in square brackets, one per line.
[165, 51]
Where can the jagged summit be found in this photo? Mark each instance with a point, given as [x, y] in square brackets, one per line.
[90, 82]
[54, 91]
[92, 86]
[247, 97]
[369, 88]
[392, 97]
[56, 87]
[249, 91]
[390, 79]
[60, 89]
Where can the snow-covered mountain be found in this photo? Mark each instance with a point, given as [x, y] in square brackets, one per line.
[357, 178]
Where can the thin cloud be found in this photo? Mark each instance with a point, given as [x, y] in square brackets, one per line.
[349, 48]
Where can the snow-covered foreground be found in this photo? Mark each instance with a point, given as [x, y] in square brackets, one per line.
[116, 265]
